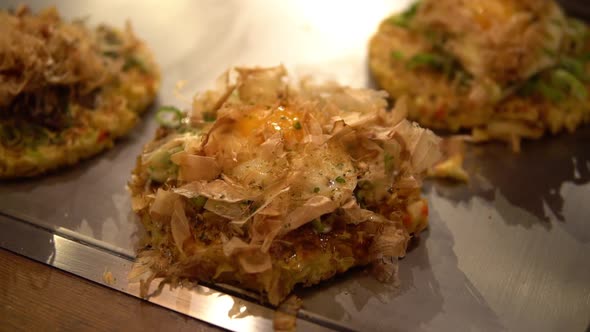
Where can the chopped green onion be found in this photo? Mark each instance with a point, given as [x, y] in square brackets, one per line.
[549, 92]
[134, 62]
[110, 36]
[397, 55]
[175, 150]
[574, 66]
[431, 60]
[318, 226]
[110, 54]
[528, 87]
[403, 19]
[388, 162]
[316, 190]
[198, 202]
[565, 78]
[556, 21]
[579, 26]
[161, 168]
[35, 154]
[32, 135]
[340, 179]
[549, 52]
[169, 116]
[209, 116]
[253, 206]
[434, 61]
[297, 125]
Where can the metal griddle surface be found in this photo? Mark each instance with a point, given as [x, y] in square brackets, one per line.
[508, 251]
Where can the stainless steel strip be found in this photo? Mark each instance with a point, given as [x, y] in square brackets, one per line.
[92, 262]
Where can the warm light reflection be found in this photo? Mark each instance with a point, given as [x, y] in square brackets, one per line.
[223, 308]
[347, 24]
[268, 122]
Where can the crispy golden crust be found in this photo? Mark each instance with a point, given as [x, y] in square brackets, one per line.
[302, 257]
[120, 103]
[436, 101]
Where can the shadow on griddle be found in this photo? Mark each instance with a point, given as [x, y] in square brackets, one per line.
[531, 180]
[429, 281]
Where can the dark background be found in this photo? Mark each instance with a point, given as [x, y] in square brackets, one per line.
[578, 8]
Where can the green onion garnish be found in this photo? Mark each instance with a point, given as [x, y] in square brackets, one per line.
[432, 60]
[565, 78]
[134, 62]
[340, 179]
[403, 19]
[388, 162]
[209, 116]
[574, 66]
[198, 202]
[549, 92]
[318, 226]
[397, 55]
[111, 54]
[169, 116]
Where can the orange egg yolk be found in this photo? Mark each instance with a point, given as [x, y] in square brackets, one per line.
[282, 119]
